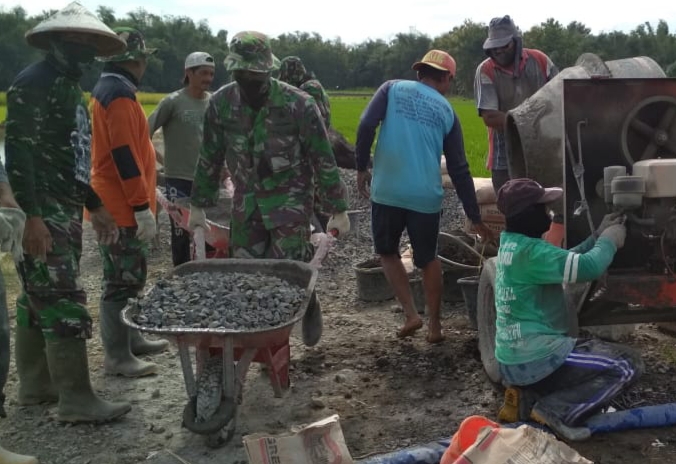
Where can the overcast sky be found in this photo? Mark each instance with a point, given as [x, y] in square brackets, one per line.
[355, 21]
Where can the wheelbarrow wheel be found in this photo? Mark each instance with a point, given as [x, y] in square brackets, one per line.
[486, 317]
[222, 437]
[221, 418]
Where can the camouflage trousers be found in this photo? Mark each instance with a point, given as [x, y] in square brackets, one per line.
[125, 267]
[53, 298]
[251, 240]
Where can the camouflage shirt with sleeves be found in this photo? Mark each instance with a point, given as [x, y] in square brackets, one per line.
[48, 138]
[316, 90]
[292, 71]
[275, 156]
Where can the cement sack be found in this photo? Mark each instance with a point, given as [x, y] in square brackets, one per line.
[485, 194]
[317, 443]
[523, 445]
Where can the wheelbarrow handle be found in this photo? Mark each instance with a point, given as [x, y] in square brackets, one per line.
[200, 247]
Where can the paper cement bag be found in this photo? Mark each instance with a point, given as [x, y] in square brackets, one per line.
[321, 442]
[523, 445]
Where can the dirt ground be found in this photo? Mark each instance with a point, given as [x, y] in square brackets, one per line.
[389, 393]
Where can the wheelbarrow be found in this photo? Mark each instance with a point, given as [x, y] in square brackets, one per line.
[236, 349]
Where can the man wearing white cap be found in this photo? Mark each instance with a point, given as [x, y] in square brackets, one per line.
[180, 115]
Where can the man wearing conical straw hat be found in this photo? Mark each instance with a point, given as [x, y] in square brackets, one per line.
[48, 162]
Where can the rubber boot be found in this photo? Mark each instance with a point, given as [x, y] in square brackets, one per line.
[68, 365]
[141, 345]
[115, 336]
[7, 457]
[312, 322]
[35, 384]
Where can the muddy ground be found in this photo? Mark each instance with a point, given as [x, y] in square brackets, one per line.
[389, 393]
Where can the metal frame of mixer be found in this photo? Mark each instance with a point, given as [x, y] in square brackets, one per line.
[614, 122]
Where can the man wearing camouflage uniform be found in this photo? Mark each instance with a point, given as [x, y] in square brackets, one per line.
[124, 176]
[292, 71]
[271, 137]
[48, 159]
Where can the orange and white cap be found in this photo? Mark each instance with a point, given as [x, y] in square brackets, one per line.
[437, 59]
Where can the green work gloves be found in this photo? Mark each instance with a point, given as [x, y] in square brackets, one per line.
[12, 222]
[339, 222]
[616, 233]
[147, 228]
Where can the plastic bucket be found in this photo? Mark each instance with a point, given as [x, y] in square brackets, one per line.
[452, 292]
[470, 294]
[372, 285]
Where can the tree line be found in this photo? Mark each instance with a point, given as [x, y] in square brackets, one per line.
[338, 65]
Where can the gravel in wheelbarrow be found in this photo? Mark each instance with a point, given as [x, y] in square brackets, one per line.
[224, 297]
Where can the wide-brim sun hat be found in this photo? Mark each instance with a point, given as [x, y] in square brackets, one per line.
[75, 18]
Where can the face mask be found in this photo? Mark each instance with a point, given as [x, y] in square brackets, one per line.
[255, 91]
[504, 57]
[79, 53]
[541, 224]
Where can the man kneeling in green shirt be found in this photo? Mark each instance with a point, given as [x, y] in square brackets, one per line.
[569, 379]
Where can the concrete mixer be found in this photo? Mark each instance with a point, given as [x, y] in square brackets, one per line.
[606, 133]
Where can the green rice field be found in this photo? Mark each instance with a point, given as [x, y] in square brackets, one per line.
[345, 113]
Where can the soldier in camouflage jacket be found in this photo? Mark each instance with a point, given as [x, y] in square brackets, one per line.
[271, 137]
[292, 71]
[48, 161]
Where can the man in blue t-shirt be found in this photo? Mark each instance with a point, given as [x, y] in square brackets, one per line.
[417, 124]
[568, 378]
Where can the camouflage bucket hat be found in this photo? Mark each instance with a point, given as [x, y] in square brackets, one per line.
[76, 19]
[292, 70]
[136, 45]
[251, 51]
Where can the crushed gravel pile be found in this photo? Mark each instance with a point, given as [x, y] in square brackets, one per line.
[232, 300]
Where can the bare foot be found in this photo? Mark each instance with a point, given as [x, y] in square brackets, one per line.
[434, 332]
[410, 327]
[434, 337]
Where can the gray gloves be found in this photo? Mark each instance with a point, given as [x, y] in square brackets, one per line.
[147, 228]
[12, 223]
[340, 222]
[609, 220]
[198, 218]
[616, 233]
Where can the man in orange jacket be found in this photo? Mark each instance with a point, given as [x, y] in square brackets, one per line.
[123, 174]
